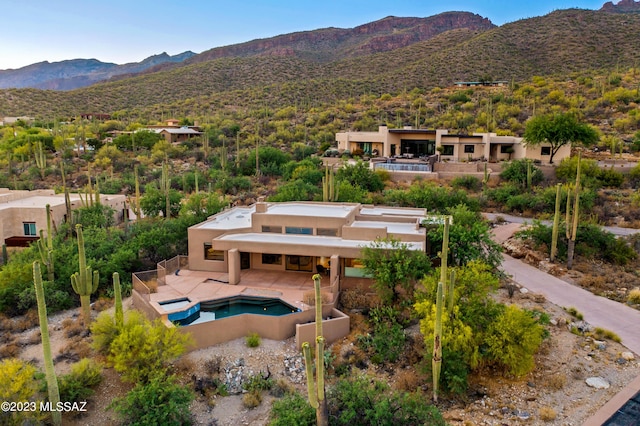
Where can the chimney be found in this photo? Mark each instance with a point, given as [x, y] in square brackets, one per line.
[261, 206]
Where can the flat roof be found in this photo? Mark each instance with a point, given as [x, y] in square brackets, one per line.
[315, 210]
[305, 240]
[392, 227]
[393, 211]
[38, 201]
[422, 131]
[237, 217]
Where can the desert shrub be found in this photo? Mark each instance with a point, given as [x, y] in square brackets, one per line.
[293, 409]
[251, 399]
[252, 340]
[634, 296]
[141, 348]
[516, 172]
[10, 349]
[503, 193]
[161, 401]
[77, 385]
[258, 383]
[18, 383]
[602, 333]
[513, 339]
[386, 342]
[467, 182]
[610, 178]
[361, 401]
[547, 414]
[634, 173]
[589, 171]
[360, 175]
[574, 313]
[557, 381]
[280, 388]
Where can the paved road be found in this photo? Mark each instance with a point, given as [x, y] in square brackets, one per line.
[616, 230]
[598, 311]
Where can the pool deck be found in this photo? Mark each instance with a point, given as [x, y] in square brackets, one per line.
[289, 286]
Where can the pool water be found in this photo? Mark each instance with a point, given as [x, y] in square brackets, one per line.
[237, 305]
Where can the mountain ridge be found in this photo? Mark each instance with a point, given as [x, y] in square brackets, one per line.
[72, 74]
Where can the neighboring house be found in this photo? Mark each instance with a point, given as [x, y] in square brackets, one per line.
[23, 213]
[299, 237]
[413, 143]
[176, 135]
[498, 83]
[7, 121]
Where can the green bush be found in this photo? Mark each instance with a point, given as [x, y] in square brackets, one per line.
[361, 175]
[292, 410]
[610, 178]
[386, 342]
[470, 183]
[162, 402]
[252, 340]
[78, 385]
[18, 383]
[362, 401]
[513, 339]
[516, 172]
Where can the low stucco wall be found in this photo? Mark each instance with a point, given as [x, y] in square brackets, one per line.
[332, 329]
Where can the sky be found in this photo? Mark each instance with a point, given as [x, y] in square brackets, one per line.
[122, 31]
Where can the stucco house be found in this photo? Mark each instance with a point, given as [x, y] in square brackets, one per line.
[413, 143]
[311, 237]
[23, 213]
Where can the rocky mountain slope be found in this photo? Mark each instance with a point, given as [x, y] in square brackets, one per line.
[76, 73]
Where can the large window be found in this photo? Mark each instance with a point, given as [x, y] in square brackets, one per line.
[506, 149]
[211, 254]
[299, 263]
[469, 149]
[29, 228]
[327, 232]
[545, 150]
[271, 259]
[447, 149]
[298, 230]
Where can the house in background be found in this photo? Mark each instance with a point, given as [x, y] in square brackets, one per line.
[23, 213]
[414, 143]
[310, 237]
[177, 135]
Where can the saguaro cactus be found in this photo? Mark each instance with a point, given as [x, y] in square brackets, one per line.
[117, 293]
[329, 192]
[41, 158]
[5, 254]
[444, 254]
[315, 389]
[46, 251]
[84, 282]
[165, 185]
[571, 232]
[556, 221]
[50, 373]
[436, 362]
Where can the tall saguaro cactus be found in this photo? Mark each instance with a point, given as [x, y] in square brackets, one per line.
[50, 373]
[436, 361]
[41, 158]
[84, 282]
[46, 251]
[315, 389]
[329, 192]
[165, 185]
[117, 293]
[556, 221]
[444, 254]
[571, 232]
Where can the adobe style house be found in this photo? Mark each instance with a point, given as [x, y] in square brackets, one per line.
[309, 237]
[176, 135]
[414, 143]
[23, 213]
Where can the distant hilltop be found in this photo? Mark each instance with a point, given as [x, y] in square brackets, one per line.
[623, 6]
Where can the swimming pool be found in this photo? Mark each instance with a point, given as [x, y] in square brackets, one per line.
[403, 167]
[237, 305]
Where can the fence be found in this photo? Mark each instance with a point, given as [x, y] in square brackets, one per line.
[171, 266]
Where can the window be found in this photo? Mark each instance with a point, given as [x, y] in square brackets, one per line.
[545, 150]
[272, 229]
[506, 149]
[469, 149]
[327, 232]
[29, 228]
[447, 149]
[211, 254]
[298, 230]
[299, 263]
[271, 259]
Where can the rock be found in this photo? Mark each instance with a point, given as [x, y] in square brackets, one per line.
[524, 290]
[629, 356]
[621, 361]
[597, 382]
[523, 415]
[581, 326]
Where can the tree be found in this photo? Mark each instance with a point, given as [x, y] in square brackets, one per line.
[394, 267]
[558, 130]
